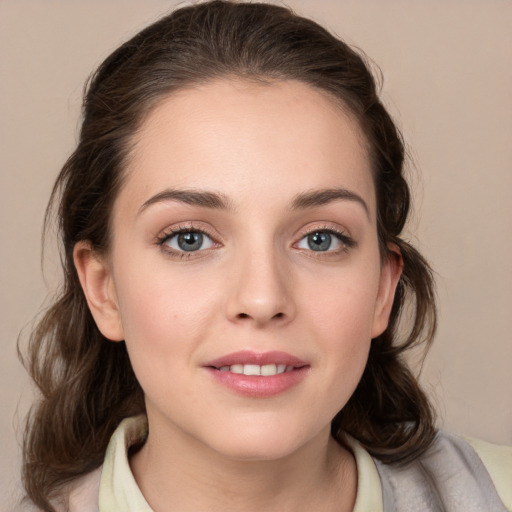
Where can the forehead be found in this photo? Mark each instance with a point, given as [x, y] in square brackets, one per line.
[245, 138]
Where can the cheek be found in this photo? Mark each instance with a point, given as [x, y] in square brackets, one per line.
[163, 321]
[343, 303]
[342, 317]
[163, 314]
[345, 331]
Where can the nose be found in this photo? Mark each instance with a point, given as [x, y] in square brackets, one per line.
[260, 290]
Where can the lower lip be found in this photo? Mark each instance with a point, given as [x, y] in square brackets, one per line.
[260, 386]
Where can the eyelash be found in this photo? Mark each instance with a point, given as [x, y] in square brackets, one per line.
[346, 241]
[162, 239]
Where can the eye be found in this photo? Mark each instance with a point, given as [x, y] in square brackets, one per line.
[187, 240]
[325, 240]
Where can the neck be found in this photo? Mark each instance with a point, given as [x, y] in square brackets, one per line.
[186, 475]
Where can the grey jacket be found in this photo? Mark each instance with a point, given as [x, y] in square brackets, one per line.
[449, 477]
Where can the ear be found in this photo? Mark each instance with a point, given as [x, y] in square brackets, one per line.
[97, 283]
[390, 274]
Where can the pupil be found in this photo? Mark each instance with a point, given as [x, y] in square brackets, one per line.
[190, 241]
[319, 241]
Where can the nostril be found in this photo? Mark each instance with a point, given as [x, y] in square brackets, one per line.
[245, 315]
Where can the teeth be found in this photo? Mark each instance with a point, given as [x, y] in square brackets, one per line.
[237, 368]
[269, 369]
[252, 369]
[266, 370]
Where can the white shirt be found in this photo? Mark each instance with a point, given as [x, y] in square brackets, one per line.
[113, 488]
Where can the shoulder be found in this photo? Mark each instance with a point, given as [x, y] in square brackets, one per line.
[497, 459]
[111, 483]
[451, 475]
[82, 494]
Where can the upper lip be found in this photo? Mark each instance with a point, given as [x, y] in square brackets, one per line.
[259, 358]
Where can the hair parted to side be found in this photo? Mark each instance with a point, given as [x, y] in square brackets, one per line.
[86, 382]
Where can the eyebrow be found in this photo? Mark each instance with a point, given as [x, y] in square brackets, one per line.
[219, 201]
[192, 197]
[322, 197]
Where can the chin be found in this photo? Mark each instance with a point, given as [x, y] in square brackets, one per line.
[252, 452]
[264, 442]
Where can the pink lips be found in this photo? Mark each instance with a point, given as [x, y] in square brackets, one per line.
[258, 386]
[249, 357]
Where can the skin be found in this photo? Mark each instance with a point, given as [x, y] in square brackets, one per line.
[255, 284]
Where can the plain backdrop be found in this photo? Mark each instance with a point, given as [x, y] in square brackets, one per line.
[447, 81]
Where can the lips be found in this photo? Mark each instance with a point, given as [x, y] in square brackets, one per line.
[266, 370]
[248, 357]
[258, 374]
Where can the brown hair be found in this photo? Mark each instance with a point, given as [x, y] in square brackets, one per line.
[87, 384]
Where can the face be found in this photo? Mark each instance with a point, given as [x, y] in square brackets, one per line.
[245, 243]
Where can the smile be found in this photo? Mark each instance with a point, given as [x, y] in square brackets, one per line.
[258, 375]
[266, 370]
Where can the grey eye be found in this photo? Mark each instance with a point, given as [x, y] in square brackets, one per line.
[320, 241]
[189, 241]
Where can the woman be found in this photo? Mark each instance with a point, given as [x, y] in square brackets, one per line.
[227, 336]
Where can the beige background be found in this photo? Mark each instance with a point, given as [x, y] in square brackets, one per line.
[448, 81]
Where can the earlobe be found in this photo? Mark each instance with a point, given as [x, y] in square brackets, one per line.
[390, 275]
[97, 284]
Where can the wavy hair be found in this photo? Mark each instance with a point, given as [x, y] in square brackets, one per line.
[86, 383]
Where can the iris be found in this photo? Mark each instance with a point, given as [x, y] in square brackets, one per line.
[319, 241]
[190, 241]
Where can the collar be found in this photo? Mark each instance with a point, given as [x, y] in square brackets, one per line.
[119, 491]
